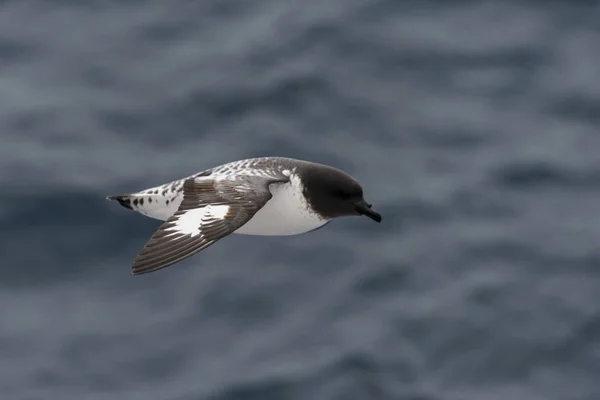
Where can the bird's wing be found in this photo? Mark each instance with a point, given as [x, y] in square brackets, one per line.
[212, 208]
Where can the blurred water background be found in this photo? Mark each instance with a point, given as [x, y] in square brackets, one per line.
[472, 125]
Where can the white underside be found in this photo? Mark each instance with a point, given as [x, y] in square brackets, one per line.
[286, 213]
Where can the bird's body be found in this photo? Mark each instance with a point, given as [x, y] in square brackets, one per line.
[286, 213]
[260, 196]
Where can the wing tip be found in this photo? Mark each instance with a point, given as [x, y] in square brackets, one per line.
[140, 271]
[137, 271]
[138, 268]
[141, 267]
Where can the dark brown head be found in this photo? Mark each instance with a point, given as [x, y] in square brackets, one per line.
[333, 193]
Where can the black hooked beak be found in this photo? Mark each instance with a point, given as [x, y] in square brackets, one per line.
[364, 208]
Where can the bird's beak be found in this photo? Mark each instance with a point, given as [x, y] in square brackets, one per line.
[364, 208]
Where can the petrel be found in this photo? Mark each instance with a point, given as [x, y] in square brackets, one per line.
[269, 196]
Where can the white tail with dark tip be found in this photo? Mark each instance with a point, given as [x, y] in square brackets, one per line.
[156, 203]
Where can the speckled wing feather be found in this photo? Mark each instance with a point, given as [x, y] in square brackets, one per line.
[211, 209]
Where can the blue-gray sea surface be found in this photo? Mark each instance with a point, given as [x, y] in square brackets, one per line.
[474, 127]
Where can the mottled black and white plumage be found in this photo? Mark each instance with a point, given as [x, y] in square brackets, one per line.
[258, 196]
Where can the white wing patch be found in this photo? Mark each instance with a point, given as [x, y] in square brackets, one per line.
[190, 222]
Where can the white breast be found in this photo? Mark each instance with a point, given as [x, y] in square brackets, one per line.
[286, 213]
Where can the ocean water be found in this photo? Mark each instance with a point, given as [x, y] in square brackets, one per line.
[474, 127]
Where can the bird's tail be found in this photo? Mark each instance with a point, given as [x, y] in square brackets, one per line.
[123, 199]
[150, 204]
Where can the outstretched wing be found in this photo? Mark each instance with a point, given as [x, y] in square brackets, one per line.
[211, 209]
